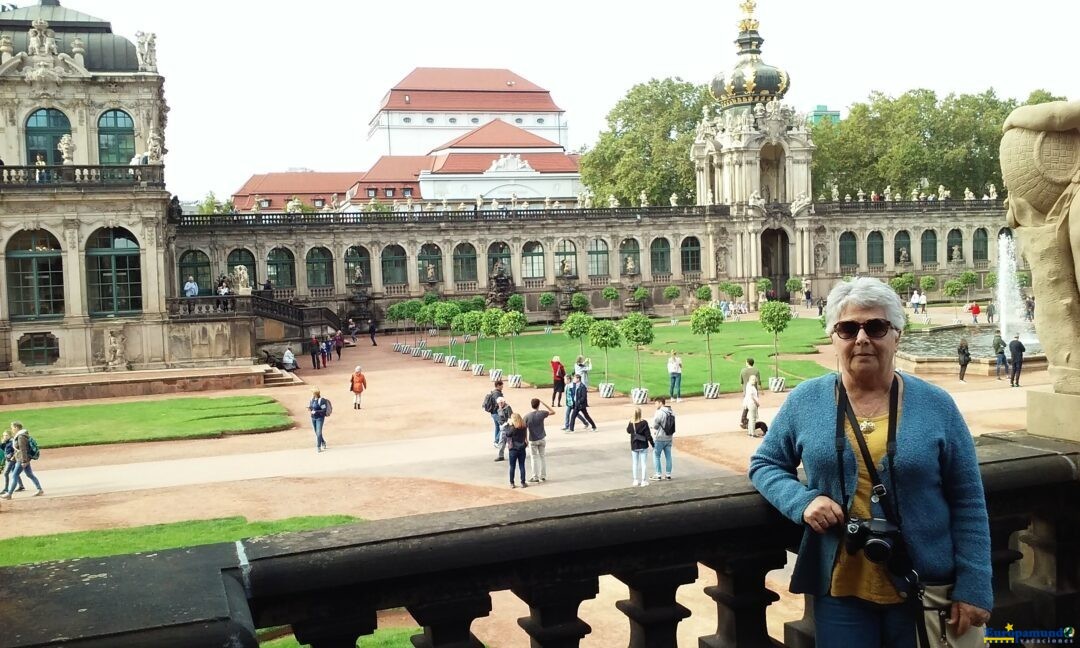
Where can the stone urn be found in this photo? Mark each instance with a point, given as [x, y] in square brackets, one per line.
[607, 390]
[494, 374]
[776, 384]
[478, 369]
[639, 395]
[712, 390]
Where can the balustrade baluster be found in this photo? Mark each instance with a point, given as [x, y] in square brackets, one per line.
[1007, 603]
[654, 615]
[553, 611]
[343, 631]
[742, 598]
[447, 623]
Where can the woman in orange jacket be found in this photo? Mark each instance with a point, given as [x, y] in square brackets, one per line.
[357, 385]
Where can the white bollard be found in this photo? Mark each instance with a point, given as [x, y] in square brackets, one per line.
[639, 395]
[417, 351]
[437, 358]
[426, 354]
[451, 361]
[607, 390]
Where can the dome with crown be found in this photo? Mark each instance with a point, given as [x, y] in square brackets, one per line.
[751, 81]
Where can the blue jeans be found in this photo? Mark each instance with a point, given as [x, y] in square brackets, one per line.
[571, 414]
[495, 418]
[517, 460]
[638, 463]
[317, 423]
[9, 468]
[854, 623]
[662, 446]
[675, 390]
[1002, 362]
[22, 469]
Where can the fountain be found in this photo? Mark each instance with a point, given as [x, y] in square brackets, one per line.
[1010, 301]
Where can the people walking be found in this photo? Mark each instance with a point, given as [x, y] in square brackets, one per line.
[975, 310]
[503, 412]
[744, 378]
[640, 441]
[999, 352]
[991, 312]
[339, 343]
[534, 423]
[517, 439]
[663, 430]
[371, 331]
[325, 348]
[581, 404]
[674, 368]
[963, 356]
[922, 303]
[7, 445]
[491, 406]
[23, 458]
[357, 385]
[751, 402]
[568, 401]
[320, 409]
[558, 381]
[1016, 351]
[915, 302]
[353, 328]
[316, 351]
[582, 368]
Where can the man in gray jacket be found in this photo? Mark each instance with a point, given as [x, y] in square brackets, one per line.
[663, 431]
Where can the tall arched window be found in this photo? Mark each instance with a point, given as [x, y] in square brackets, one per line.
[929, 246]
[532, 260]
[242, 257]
[116, 138]
[980, 245]
[194, 263]
[566, 258]
[430, 257]
[902, 241]
[660, 256]
[875, 249]
[395, 272]
[499, 253]
[690, 254]
[629, 257]
[35, 275]
[281, 268]
[598, 258]
[358, 265]
[465, 262]
[849, 250]
[954, 244]
[44, 128]
[113, 273]
[320, 268]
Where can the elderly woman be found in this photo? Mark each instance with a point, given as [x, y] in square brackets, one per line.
[928, 485]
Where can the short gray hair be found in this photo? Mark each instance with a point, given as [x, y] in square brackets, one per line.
[865, 292]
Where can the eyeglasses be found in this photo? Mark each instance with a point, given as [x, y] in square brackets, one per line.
[875, 328]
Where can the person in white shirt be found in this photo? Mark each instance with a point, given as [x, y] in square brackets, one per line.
[582, 368]
[191, 288]
[751, 402]
[674, 368]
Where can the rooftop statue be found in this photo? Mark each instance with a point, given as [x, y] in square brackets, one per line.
[674, 200]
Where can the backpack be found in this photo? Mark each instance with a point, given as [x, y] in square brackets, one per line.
[329, 408]
[34, 450]
[489, 403]
[669, 424]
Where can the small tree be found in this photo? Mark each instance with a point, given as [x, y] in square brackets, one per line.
[953, 288]
[579, 302]
[671, 293]
[425, 315]
[703, 294]
[515, 302]
[604, 335]
[794, 287]
[1023, 279]
[409, 311]
[577, 326]
[968, 279]
[764, 286]
[489, 326]
[445, 312]
[903, 284]
[394, 314]
[473, 321]
[774, 318]
[706, 321]
[610, 295]
[457, 325]
[734, 291]
[638, 331]
[640, 295]
[990, 282]
[478, 303]
[511, 324]
[927, 284]
[546, 301]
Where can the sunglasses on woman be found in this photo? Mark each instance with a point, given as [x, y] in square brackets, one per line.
[875, 328]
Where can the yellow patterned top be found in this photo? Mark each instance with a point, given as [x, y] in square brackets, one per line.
[853, 574]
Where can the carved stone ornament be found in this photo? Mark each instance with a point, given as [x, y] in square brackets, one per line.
[41, 64]
[146, 51]
[510, 162]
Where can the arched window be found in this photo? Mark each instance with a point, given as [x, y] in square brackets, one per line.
[598, 258]
[395, 272]
[358, 265]
[320, 268]
[242, 257]
[902, 241]
[35, 275]
[660, 256]
[116, 138]
[44, 128]
[113, 273]
[194, 263]
[499, 253]
[281, 268]
[465, 262]
[929, 246]
[849, 250]
[980, 245]
[532, 261]
[629, 257]
[566, 258]
[875, 249]
[430, 257]
[690, 254]
[954, 243]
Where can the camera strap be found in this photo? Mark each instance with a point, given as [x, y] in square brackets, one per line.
[879, 493]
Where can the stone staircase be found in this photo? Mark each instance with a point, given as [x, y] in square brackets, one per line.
[279, 378]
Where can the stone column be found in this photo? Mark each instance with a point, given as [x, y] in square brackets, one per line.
[340, 278]
[860, 251]
[549, 261]
[375, 250]
[742, 599]
[411, 270]
[740, 242]
[916, 255]
[449, 280]
[300, 260]
[676, 258]
[653, 612]
[553, 611]
[446, 623]
[75, 299]
[343, 629]
[890, 251]
[943, 251]
[516, 248]
[968, 246]
[614, 267]
[710, 261]
[646, 262]
[483, 264]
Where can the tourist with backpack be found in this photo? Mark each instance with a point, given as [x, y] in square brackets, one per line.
[26, 450]
[663, 431]
[320, 409]
[491, 406]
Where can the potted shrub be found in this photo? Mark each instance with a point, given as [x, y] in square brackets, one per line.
[774, 317]
[672, 293]
[605, 335]
[547, 301]
[703, 294]
[473, 321]
[794, 288]
[579, 303]
[457, 325]
[706, 321]
[953, 288]
[577, 326]
[515, 302]
[640, 295]
[638, 331]
[511, 324]
[611, 295]
[489, 327]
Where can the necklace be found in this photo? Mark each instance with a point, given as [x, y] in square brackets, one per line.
[866, 426]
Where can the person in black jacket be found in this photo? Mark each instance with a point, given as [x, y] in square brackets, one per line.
[1016, 350]
[963, 356]
[371, 331]
[581, 404]
[640, 442]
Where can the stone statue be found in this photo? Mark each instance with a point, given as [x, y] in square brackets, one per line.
[1040, 163]
[479, 203]
[821, 255]
[358, 274]
[904, 256]
[721, 261]
[674, 200]
[969, 194]
[643, 199]
[957, 253]
[847, 197]
[155, 147]
[494, 203]
[373, 204]
[557, 205]
[564, 268]
[67, 148]
[897, 197]
[241, 280]
[915, 195]
[941, 192]
[294, 206]
[993, 192]
[444, 205]
[40, 40]
[888, 193]
[115, 356]
[256, 204]
[629, 266]
[874, 196]
[588, 200]
[408, 203]
[709, 197]
[547, 202]
[524, 204]
[497, 269]
[862, 195]
[756, 200]
[835, 193]
[800, 203]
[333, 204]
[430, 272]
[612, 201]
[146, 51]
[462, 206]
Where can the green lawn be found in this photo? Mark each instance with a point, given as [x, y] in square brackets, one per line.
[736, 342]
[383, 638]
[111, 542]
[177, 418]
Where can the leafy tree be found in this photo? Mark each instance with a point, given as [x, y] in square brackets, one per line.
[395, 313]
[927, 284]
[638, 331]
[425, 315]
[764, 285]
[211, 205]
[547, 300]
[794, 287]
[457, 325]
[706, 321]
[703, 294]
[774, 317]
[645, 145]
[1023, 279]
[473, 321]
[515, 302]
[1042, 96]
[445, 312]
[478, 303]
[579, 302]
[511, 324]
[640, 295]
[903, 283]
[991, 280]
[734, 291]
[610, 295]
[577, 326]
[968, 278]
[604, 335]
[409, 311]
[953, 288]
[489, 326]
[671, 293]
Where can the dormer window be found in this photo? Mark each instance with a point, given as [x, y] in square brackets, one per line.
[319, 202]
[372, 192]
[452, 120]
[430, 120]
[388, 193]
[519, 120]
[407, 192]
[264, 203]
[539, 120]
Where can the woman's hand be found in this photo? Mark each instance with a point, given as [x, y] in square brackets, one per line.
[965, 615]
[822, 513]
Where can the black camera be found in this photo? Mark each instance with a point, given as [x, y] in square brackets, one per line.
[878, 538]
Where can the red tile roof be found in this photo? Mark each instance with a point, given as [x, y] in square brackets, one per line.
[467, 89]
[480, 162]
[397, 168]
[498, 134]
[278, 188]
[491, 79]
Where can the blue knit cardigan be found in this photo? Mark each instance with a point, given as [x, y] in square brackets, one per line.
[942, 504]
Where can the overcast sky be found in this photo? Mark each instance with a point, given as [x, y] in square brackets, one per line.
[264, 86]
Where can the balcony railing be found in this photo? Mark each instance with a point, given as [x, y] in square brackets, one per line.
[321, 292]
[692, 277]
[661, 277]
[534, 282]
[981, 264]
[328, 585]
[467, 286]
[930, 266]
[599, 280]
[81, 176]
[909, 206]
[849, 269]
[229, 306]
[397, 290]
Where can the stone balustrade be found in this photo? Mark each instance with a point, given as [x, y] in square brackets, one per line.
[81, 176]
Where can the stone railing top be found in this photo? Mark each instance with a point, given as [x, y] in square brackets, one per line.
[911, 206]
[33, 178]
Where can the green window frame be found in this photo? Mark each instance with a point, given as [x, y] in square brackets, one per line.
[980, 245]
[38, 349]
[660, 256]
[358, 256]
[900, 241]
[116, 138]
[875, 248]
[532, 260]
[954, 238]
[320, 268]
[566, 250]
[430, 255]
[500, 252]
[599, 264]
[395, 270]
[44, 128]
[928, 244]
[243, 257]
[113, 273]
[465, 262]
[690, 254]
[629, 249]
[849, 250]
[35, 276]
[281, 268]
[195, 263]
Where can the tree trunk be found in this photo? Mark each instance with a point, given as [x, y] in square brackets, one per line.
[605, 365]
[776, 354]
[708, 352]
[637, 353]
